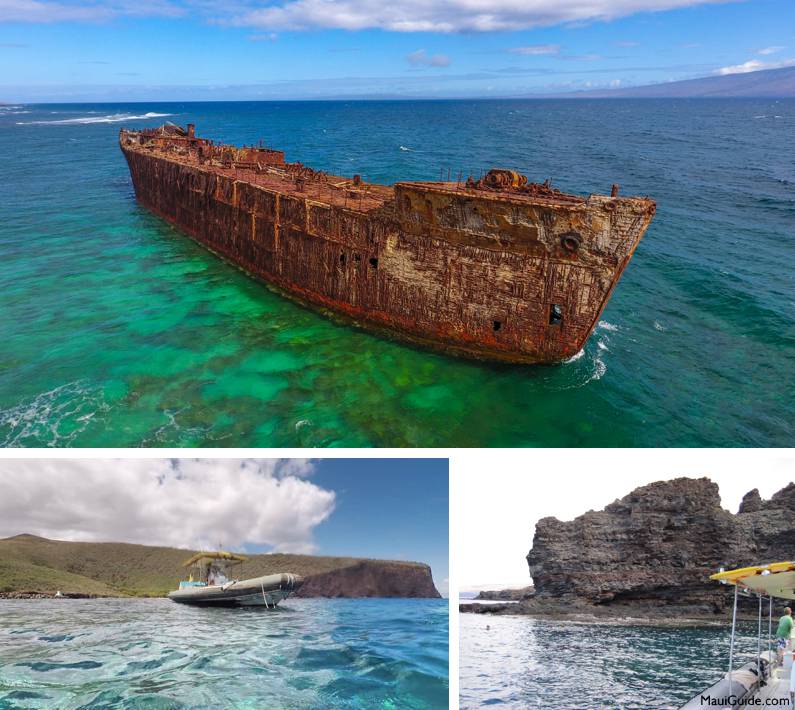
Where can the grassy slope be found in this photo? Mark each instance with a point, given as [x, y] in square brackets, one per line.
[35, 564]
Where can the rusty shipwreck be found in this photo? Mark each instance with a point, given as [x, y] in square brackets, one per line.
[498, 268]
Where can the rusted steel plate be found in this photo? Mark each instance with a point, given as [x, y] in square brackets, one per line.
[496, 269]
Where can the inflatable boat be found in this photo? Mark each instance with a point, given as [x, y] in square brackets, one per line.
[212, 584]
[767, 679]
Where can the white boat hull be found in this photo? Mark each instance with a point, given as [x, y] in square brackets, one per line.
[265, 591]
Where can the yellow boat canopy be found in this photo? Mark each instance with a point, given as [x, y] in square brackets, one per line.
[220, 555]
[776, 579]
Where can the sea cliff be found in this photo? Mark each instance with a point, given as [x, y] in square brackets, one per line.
[32, 567]
[649, 555]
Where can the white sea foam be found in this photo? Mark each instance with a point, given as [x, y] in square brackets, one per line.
[109, 118]
[173, 430]
[584, 371]
[604, 325]
[53, 418]
[659, 326]
[408, 150]
[600, 367]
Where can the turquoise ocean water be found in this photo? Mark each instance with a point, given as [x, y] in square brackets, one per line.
[308, 654]
[119, 331]
[527, 663]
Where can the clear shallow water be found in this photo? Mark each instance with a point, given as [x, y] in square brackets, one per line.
[526, 663]
[307, 654]
[118, 331]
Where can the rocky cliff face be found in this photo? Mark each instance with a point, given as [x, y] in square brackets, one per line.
[371, 578]
[656, 547]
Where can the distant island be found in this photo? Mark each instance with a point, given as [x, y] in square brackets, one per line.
[762, 84]
[32, 566]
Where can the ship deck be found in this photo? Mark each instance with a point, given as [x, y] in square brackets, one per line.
[333, 190]
[343, 192]
[533, 194]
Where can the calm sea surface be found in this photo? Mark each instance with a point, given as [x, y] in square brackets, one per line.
[119, 331]
[307, 654]
[526, 663]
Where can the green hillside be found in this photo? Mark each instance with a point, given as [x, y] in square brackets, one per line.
[38, 565]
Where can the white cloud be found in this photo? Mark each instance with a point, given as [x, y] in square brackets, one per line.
[421, 58]
[397, 16]
[769, 50]
[753, 65]
[444, 15]
[537, 49]
[185, 503]
[77, 11]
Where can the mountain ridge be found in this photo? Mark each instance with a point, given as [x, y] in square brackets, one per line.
[761, 84]
[36, 566]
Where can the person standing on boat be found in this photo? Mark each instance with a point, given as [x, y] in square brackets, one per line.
[783, 633]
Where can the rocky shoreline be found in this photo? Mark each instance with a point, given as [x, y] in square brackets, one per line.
[630, 618]
[64, 595]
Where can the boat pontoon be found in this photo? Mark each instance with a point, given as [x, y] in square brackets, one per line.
[213, 585]
[765, 680]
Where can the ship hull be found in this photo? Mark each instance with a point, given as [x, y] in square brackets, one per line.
[474, 287]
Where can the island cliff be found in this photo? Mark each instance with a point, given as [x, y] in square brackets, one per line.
[32, 566]
[650, 554]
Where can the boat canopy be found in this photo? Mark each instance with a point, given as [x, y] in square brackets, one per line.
[775, 580]
[220, 555]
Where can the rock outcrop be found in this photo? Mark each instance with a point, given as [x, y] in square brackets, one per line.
[653, 550]
[507, 595]
[372, 578]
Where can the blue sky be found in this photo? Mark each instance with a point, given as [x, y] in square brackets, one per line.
[249, 49]
[387, 508]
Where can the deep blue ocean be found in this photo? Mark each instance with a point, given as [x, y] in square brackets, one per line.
[119, 331]
[307, 654]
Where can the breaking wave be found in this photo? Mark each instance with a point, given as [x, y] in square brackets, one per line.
[588, 365]
[408, 150]
[109, 118]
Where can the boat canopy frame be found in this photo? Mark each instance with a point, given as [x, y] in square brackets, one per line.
[203, 561]
[776, 579]
[231, 557]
